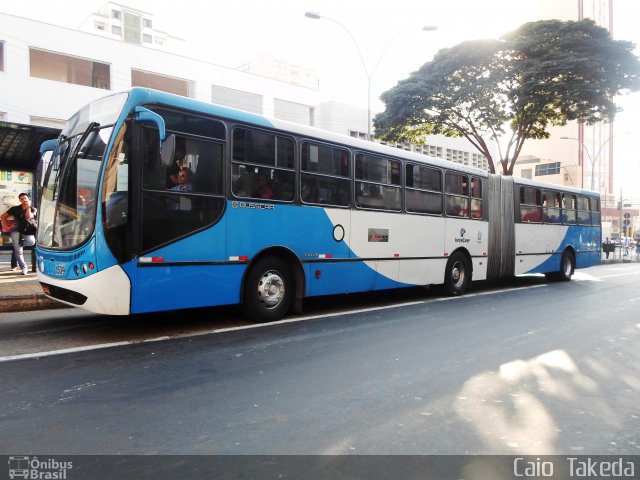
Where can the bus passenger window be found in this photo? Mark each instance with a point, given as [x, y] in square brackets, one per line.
[325, 175]
[457, 189]
[476, 198]
[551, 206]
[569, 205]
[530, 205]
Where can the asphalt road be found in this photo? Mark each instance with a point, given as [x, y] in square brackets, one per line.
[544, 368]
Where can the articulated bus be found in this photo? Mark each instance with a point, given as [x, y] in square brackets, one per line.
[271, 213]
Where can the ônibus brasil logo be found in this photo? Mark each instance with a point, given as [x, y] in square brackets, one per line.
[22, 466]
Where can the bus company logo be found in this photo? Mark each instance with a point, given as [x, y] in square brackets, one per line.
[34, 468]
[252, 205]
[461, 239]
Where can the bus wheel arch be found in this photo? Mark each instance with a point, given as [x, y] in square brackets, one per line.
[273, 284]
[458, 272]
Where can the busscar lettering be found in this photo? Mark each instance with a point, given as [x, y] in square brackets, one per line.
[255, 206]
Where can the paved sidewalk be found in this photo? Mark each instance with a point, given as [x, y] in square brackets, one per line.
[21, 292]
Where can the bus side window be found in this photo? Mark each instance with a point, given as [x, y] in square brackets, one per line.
[530, 205]
[551, 206]
[262, 165]
[476, 198]
[457, 198]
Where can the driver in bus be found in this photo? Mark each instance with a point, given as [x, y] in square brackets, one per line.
[184, 181]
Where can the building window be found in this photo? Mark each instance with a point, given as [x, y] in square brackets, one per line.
[147, 23]
[116, 14]
[293, 112]
[62, 68]
[229, 97]
[132, 28]
[146, 38]
[179, 86]
[1, 56]
[116, 30]
[548, 169]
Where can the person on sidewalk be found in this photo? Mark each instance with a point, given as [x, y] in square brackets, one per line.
[23, 218]
[6, 228]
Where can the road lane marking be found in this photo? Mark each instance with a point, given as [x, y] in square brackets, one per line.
[101, 346]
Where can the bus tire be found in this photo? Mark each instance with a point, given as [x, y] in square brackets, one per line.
[567, 266]
[268, 290]
[457, 276]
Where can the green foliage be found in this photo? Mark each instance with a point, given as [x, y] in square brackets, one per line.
[545, 73]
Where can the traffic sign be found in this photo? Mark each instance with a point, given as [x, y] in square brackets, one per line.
[626, 223]
[627, 215]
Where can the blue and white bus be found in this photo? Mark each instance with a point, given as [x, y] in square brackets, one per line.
[276, 212]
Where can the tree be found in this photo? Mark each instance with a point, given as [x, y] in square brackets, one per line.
[544, 73]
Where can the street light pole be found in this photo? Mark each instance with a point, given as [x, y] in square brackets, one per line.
[369, 74]
[592, 160]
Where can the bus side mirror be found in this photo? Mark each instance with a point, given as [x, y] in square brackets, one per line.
[167, 149]
[167, 144]
[145, 115]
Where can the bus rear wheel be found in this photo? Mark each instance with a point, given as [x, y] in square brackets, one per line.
[567, 267]
[268, 290]
[457, 275]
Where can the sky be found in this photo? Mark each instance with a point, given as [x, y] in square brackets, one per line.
[389, 32]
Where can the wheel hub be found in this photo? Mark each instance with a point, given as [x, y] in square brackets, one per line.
[271, 289]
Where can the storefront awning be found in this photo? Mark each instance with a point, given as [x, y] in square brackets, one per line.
[20, 145]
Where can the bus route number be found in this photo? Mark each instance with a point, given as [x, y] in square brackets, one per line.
[59, 270]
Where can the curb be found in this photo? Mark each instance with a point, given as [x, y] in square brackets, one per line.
[26, 303]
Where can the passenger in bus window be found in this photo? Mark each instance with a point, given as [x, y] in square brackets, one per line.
[179, 163]
[263, 190]
[184, 181]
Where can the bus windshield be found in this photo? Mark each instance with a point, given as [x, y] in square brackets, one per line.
[68, 201]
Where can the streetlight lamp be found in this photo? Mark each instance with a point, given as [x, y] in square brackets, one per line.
[592, 160]
[369, 74]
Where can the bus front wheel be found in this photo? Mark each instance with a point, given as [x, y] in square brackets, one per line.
[268, 290]
[457, 274]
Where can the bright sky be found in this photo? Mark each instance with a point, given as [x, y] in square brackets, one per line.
[231, 32]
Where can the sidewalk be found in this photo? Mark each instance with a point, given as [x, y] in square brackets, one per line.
[21, 292]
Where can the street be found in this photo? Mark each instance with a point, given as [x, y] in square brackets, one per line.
[537, 368]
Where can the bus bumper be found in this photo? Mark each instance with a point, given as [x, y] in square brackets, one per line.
[107, 292]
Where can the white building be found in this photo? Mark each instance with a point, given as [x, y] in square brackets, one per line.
[130, 25]
[48, 72]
